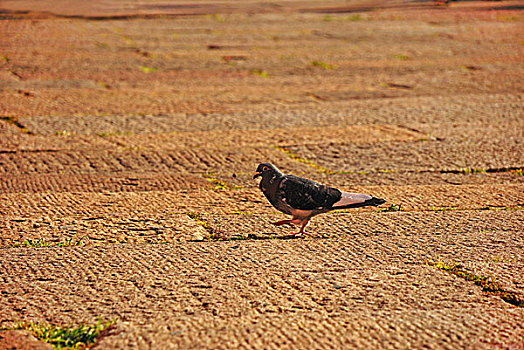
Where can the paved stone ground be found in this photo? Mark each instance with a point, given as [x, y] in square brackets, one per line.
[133, 129]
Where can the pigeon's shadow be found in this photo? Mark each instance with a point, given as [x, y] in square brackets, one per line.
[267, 237]
[273, 235]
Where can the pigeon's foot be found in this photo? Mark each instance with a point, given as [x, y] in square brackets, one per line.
[300, 233]
[283, 222]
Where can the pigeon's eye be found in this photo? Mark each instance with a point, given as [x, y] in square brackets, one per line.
[265, 168]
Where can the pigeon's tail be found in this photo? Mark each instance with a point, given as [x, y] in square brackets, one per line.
[356, 200]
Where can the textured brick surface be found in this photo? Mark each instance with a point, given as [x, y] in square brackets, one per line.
[129, 134]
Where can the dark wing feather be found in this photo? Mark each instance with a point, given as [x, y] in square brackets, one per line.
[305, 194]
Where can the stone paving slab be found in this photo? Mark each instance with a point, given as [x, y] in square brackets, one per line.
[249, 200]
[415, 112]
[295, 286]
[480, 153]
[129, 133]
[418, 57]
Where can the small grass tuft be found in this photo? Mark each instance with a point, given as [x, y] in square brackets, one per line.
[518, 172]
[238, 212]
[442, 208]
[14, 121]
[392, 207]
[216, 17]
[401, 57]
[219, 184]
[472, 171]
[81, 242]
[42, 243]
[488, 283]
[197, 218]
[259, 72]
[79, 336]
[103, 84]
[31, 243]
[160, 242]
[113, 133]
[148, 69]
[323, 65]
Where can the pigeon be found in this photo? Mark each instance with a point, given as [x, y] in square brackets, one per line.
[303, 198]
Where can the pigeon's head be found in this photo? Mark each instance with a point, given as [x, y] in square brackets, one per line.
[266, 170]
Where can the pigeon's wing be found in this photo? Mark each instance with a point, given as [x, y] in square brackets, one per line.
[305, 194]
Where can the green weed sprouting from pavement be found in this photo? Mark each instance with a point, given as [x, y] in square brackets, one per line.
[113, 133]
[14, 121]
[103, 84]
[488, 283]
[443, 208]
[216, 17]
[323, 65]
[31, 243]
[468, 171]
[353, 18]
[82, 241]
[41, 243]
[392, 207]
[148, 69]
[219, 184]
[238, 212]
[472, 171]
[260, 73]
[72, 337]
[401, 57]
[197, 218]
[159, 242]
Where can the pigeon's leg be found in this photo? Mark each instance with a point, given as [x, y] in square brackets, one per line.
[283, 222]
[302, 232]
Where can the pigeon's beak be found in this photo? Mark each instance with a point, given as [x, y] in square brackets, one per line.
[257, 174]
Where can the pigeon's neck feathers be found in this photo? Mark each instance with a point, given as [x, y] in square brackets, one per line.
[277, 172]
[269, 186]
[271, 179]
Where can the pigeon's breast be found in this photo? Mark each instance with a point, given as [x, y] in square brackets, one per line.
[270, 188]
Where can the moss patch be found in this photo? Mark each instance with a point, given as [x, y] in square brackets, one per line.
[488, 283]
[70, 337]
